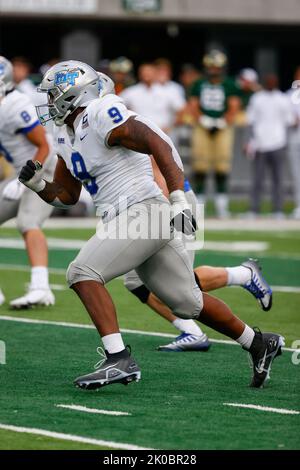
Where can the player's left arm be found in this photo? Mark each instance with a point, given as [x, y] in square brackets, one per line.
[136, 135]
[37, 136]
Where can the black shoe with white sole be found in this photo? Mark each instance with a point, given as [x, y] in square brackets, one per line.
[265, 347]
[112, 368]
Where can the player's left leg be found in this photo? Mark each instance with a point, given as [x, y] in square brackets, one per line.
[32, 213]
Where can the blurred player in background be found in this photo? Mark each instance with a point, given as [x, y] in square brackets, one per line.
[23, 138]
[270, 115]
[156, 101]
[215, 103]
[187, 77]
[247, 83]
[164, 75]
[121, 71]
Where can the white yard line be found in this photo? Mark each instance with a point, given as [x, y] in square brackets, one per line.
[65, 244]
[17, 267]
[59, 287]
[291, 289]
[232, 224]
[71, 437]
[244, 246]
[93, 410]
[288, 289]
[282, 411]
[123, 330]
[26, 268]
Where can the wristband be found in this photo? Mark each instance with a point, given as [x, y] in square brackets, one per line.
[36, 186]
[178, 197]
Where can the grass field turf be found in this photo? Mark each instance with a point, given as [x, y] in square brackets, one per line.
[179, 402]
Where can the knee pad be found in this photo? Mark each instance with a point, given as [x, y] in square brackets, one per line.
[191, 306]
[142, 293]
[79, 272]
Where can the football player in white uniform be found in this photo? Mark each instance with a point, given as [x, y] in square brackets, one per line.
[21, 138]
[248, 275]
[106, 147]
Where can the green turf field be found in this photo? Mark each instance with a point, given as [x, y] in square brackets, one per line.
[179, 403]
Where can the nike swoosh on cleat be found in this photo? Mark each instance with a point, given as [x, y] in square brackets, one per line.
[261, 367]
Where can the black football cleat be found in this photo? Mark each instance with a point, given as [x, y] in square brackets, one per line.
[265, 347]
[111, 369]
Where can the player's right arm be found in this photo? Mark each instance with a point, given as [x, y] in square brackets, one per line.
[62, 192]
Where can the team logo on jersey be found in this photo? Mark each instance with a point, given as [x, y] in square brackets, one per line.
[65, 78]
[85, 122]
[61, 140]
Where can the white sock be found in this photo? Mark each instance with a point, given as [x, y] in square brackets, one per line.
[113, 343]
[246, 337]
[39, 277]
[238, 276]
[187, 326]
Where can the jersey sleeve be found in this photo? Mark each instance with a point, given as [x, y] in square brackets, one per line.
[23, 117]
[110, 113]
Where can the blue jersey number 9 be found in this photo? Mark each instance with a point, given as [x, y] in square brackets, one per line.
[80, 171]
[115, 114]
[25, 116]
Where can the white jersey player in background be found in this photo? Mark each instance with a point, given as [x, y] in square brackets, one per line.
[23, 138]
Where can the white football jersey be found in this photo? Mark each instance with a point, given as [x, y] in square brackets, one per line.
[17, 118]
[115, 177]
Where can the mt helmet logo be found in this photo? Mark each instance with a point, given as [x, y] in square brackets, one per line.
[68, 78]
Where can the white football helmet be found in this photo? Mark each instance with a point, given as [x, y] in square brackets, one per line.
[106, 85]
[69, 85]
[6, 76]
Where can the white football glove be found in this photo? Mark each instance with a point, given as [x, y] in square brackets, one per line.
[30, 175]
[13, 190]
